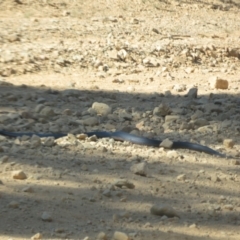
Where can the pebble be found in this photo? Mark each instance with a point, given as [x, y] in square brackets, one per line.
[171, 118]
[229, 143]
[120, 236]
[162, 110]
[36, 236]
[82, 136]
[150, 62]
[162, 210]
[139, 169]
[35, 141]
[181, 177]
[228, 207]
[122, 54]
[49, 142]
[193, 225]
[28, 189]
[166, 143]
[19, 175]
[102, 236]
[13, 204]
[47, 112]
[123, 183]
[46, 217]
[90, 121]
[107, 193]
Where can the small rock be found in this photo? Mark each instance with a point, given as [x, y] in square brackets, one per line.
[218, 83]
[193, 225]
[162, 110]
[35, 141]
[139, 169]
[41, 100]
[192, 93]
[120, 236]
[59, 230]
[82, 136]
[235, 52]
[102, 236]
[216, 207]
[150, 62]
[47, 112]
[19, 175]
[228, 206]
[123, 183]
[67, 112]
[229, 143]
[27, 189]
[36, 236]
[38, 108]
[171, 118]
[132, 235]
[163, 211]
[166, 143]
[123, 115]
[87, 238]
[13, 204]
[49, 142]
[124, 214]
[101, 108]
[181, 177]
[46, 217]
[91, 121]
[122, 54]
[197, 115]
[200, 122]
[107, 193]
[93, 138]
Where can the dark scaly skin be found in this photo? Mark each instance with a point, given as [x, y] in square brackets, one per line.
[123, 136]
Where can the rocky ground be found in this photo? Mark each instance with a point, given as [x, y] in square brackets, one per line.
[164, 70]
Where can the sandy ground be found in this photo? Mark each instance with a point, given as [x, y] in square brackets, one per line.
[57, 58]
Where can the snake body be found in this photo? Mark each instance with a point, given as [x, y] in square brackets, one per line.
[124, 136]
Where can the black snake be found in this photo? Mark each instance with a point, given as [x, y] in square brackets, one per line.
[124, 136]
